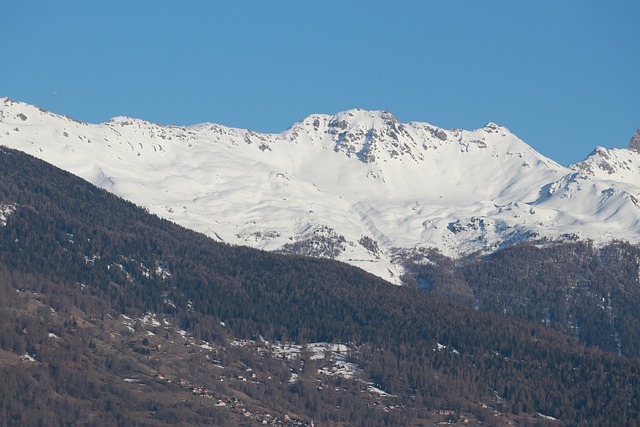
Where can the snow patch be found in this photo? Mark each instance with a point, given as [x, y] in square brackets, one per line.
[5, 211]
[27, 358]
[149, 319]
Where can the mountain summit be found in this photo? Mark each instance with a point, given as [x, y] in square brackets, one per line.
[635, 141]
[357, 186]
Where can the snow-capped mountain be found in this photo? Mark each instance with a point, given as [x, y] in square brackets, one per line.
[358, 186]
[616, 164]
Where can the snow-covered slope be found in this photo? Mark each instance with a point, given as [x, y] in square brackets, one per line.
[358, 186]
[615, 164]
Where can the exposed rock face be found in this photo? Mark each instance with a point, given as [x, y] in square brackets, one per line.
[635, 142]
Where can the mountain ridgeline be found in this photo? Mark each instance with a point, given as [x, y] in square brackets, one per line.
[75, 259]
[358, 186]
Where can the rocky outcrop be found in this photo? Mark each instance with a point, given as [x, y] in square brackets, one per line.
[635, 142]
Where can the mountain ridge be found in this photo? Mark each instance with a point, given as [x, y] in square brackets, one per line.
[331, 182]
[617, 164]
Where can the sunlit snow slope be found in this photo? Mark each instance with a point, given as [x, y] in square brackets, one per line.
[358, 186]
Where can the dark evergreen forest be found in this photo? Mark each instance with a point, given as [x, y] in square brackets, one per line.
[87, 257]
[591, 293]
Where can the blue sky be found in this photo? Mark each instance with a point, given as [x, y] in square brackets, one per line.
[563, 75]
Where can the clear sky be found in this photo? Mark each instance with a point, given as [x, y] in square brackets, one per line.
[563, 75]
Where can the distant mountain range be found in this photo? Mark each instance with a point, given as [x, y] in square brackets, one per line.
[358, 186]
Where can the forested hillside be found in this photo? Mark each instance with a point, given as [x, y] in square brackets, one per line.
[75, 260]
[585, 291]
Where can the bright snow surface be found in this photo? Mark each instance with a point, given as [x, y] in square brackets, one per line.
[333, 180]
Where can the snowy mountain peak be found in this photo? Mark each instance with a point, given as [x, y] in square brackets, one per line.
[621, 165]
[5, 100]
[11, 109]
[358, 186]
[370, 135]
[127, 121]
[359, 118]
[492, 127]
